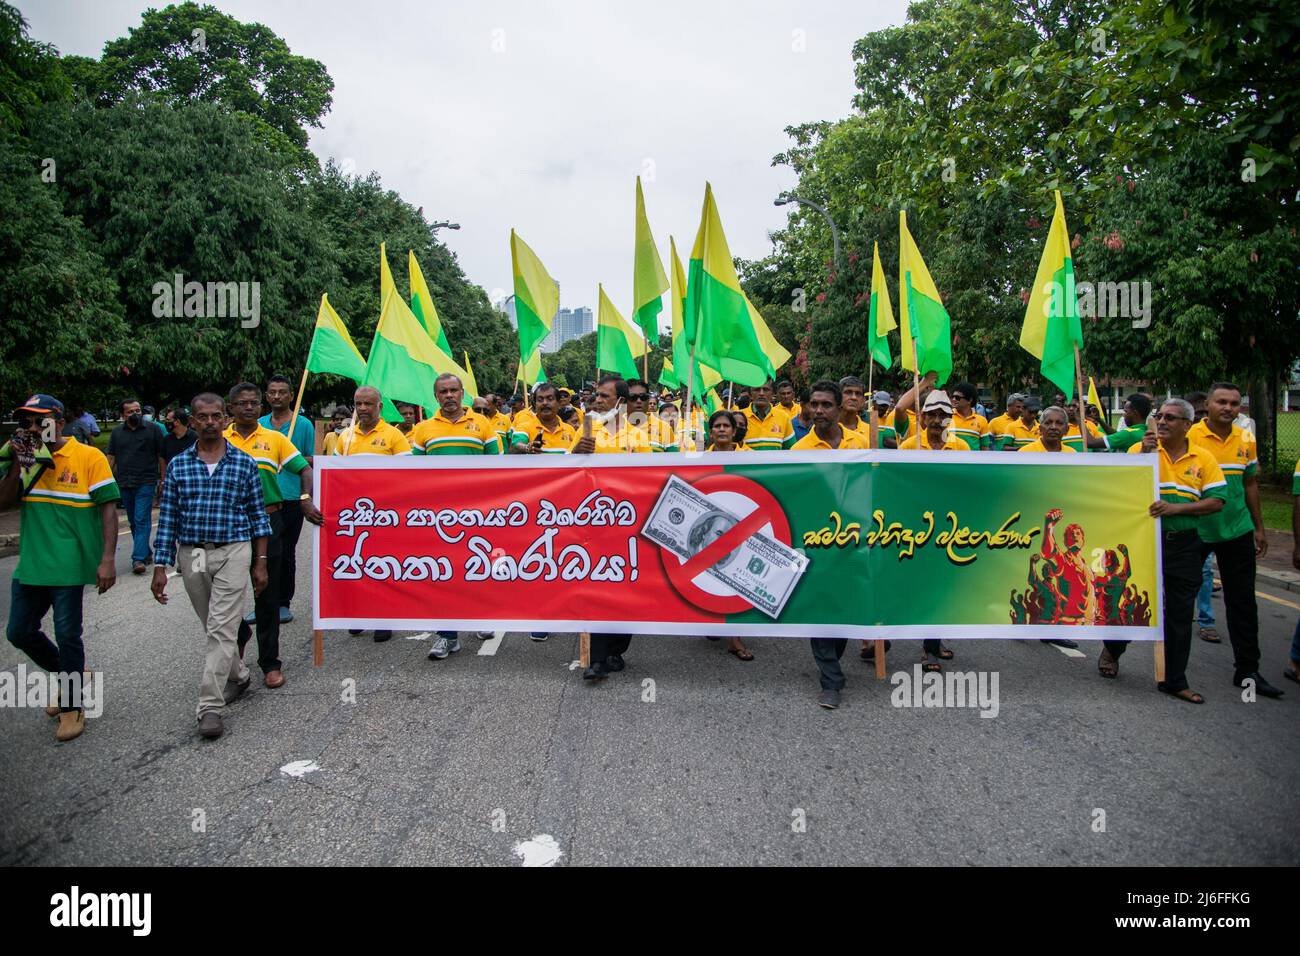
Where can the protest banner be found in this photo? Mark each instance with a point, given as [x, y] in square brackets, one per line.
[869, 544]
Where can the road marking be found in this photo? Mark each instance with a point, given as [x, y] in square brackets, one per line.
[299, 768]
[574, 665]
[1277, 600]
[541, 850]
[1070, 651]
[418, 637]
[489, 647]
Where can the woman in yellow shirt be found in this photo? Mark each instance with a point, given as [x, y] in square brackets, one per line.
[722, 435]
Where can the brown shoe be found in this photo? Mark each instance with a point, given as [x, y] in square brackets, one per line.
[210, 724]
[137, 567]
[52, 710]
[1210, 636]
[71, 724]
[274, 679]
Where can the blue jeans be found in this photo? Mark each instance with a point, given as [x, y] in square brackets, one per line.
[138, 503]
[1295, 643]
[1204, 609]
[27, 606]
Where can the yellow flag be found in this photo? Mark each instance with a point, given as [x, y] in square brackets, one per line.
[471, 386]
[1092, 394]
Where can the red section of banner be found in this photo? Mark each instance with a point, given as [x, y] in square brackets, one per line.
[399, 545]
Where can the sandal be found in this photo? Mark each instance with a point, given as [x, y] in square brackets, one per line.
[868, 652]
[1186, 694]
[741, 652]
[1291, 674]
[1210, 636]
[931, 667]
[943, 653]
[1107, 666]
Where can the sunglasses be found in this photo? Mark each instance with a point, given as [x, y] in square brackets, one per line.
[1171, 418]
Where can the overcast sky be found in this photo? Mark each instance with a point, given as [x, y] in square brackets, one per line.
[539, 115]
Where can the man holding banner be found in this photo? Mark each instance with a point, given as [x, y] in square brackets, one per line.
[1191, 487]
[607, 650]
[454, 430]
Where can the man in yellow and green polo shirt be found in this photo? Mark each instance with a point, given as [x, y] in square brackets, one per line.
[371, 435]
[1136, 409]
[768, 426]
[1235, 536]
[453, 430]
[967, 425]
[273, 453]
[1192, 487]
[67, 540]
[999, 425]
[540, 431]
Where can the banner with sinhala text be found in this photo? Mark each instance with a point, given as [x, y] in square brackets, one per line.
[796, 544]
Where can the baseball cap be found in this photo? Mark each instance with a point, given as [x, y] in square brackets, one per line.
[938, 399]
[41, 405]
[882, 398]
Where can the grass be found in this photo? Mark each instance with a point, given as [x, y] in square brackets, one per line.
[1275, 504]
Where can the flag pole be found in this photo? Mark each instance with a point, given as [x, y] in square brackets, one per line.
[293, 419]
[1083, 414]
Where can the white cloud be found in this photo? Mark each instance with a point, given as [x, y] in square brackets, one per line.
[544, 125]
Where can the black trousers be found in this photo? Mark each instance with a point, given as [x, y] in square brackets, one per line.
[1237, 569]
[291, 516]
[827, 652]
[603, 645]
[266, 606]
[1180, 573]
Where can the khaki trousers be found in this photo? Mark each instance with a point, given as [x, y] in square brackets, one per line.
[216, 579]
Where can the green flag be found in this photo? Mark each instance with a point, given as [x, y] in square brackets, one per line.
[404, 362]
[537, 297]
[717, 316]
[618, 344]
[1052, 329]
[880, 317]
[921, 313]
[332, 350]
[648, 280]
[422, 304]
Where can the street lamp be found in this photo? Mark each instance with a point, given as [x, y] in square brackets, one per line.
[835, 235]
[445, 224]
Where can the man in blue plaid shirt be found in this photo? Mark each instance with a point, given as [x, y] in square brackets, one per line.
[212, 507]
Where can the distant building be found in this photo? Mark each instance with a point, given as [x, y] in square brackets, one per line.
[569, 324]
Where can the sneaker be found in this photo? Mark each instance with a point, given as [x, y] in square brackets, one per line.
[235, 689]
[71, 724]
[830, 699]
[1061, 642]
[597, 671]
[443, 647]
[614, 663]
[484, 635]
[539, 636]
[210, 724]
[285, 615]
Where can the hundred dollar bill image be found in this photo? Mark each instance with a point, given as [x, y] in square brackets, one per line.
[761, 569]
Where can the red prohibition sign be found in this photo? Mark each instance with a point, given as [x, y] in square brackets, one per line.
[768, 511]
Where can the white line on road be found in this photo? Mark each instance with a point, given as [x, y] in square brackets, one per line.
[418, 637]
[489, 647]
[1069, 651]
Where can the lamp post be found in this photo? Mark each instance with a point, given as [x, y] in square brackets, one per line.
[835, 234]
[445, 224]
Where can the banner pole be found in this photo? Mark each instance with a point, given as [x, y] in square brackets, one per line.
[318, 648]
[688, 409]
[584, 650]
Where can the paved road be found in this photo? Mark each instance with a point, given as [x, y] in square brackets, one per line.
[485, 757]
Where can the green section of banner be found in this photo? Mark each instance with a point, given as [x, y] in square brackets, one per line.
[968, 553]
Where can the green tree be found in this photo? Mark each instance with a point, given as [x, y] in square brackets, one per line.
[29, 72]
[187, 53]
[64, 331]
